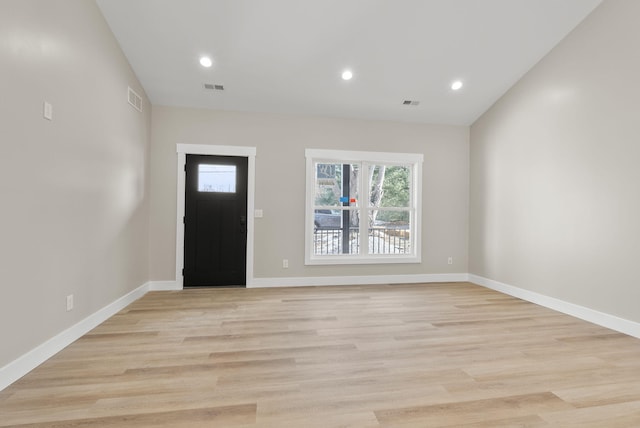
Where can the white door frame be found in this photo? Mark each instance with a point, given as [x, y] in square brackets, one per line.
[199, 149]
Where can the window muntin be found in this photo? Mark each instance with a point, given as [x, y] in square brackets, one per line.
[389, 206]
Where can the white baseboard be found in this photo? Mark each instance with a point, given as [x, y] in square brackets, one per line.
[32, 359]
[356, 280]
[622, 325]
[164, 286]
[24, 364]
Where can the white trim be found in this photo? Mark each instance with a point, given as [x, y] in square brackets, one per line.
[29, 361]
[32, 359]
[621, 325]
[349, 155]
[200, 149]
[164, 286]
[361, 259]
[251, 192]
[357, 280]
[182, 160]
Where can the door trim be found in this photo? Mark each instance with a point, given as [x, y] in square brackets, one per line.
[200, 149]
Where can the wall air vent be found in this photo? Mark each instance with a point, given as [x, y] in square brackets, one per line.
[134, 99]
[213, 87]
[410, 103]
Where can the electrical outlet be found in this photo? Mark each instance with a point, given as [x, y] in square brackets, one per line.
[450, 260]
[69, 302]
[285, 263]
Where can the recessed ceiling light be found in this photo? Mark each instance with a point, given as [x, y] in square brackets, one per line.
[205, 61]
[456, 85]
[347, 75]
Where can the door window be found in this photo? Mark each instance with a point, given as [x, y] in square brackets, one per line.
[217, 178]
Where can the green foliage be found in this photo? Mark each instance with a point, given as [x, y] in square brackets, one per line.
[396, 194]
[394, 216]
[396, 187]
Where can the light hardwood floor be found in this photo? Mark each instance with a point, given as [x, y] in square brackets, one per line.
[424, 355]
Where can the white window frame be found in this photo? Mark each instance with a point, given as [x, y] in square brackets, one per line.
[343, 156]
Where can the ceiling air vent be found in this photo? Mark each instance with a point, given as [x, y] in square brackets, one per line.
[134, 99]
[213, 87]
[410, 103]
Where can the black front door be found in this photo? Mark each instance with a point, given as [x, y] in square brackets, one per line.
[215, 223]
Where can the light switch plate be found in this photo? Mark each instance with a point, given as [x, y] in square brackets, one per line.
[47, 111]
[258, 214]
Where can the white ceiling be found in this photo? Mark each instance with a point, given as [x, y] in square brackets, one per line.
[287, 55]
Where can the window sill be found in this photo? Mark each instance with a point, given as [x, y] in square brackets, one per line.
[361, 260]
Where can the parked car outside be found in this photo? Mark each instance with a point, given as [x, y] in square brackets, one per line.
[327, 219]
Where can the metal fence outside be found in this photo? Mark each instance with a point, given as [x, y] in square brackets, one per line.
[381, 241]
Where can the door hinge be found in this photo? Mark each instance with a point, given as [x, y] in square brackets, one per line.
[185, 167]
[184, 221]
[182, 271]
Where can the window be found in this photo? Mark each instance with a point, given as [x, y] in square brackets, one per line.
[362, 207]
[217, 178]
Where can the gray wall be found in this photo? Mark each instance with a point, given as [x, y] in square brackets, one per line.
[280, 184]
[74, 190]
[555, 176]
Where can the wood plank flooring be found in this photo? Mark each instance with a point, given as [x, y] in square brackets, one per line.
[424, 355]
